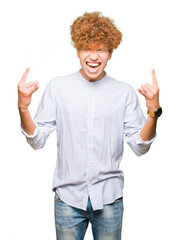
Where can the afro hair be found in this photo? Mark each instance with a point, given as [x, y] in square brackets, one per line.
[92, 30]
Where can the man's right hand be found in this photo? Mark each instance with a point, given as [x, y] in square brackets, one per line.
[25, 91]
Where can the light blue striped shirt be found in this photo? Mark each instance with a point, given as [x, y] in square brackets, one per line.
[91, 120]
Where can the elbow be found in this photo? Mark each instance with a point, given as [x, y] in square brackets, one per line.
[36, 145]
[139, 153]
[139, 149]
[142, 151]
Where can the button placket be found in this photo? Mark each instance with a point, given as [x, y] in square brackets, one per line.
[90, 132]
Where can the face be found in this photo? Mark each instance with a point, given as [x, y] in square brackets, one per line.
[93, 63]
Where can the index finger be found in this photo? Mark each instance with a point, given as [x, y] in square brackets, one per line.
[23, 79]
[154, 80]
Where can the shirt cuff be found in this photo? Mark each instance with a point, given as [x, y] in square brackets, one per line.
[32, 135]
[145, 143]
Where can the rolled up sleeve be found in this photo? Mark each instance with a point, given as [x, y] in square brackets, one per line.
[134, 121]
[44, 120]
[35, 139]
[143, 146]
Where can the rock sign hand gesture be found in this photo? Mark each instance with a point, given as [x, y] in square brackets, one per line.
[151, 93]
[25, 91]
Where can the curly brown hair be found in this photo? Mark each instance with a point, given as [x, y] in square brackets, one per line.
[92, 30]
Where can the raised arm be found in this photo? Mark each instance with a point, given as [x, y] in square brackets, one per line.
[25, 91]
[151, 94]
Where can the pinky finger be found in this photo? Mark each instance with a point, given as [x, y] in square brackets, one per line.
[31, 90]
[35, 88]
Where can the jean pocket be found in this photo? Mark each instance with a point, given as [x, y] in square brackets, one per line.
[57, 198]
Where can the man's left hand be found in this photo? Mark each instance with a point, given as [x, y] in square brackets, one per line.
[151, 93]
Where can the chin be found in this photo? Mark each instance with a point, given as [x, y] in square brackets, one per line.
[94, 76]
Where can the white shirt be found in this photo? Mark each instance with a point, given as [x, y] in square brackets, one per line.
[91, 120]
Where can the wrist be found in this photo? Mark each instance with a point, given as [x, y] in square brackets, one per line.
[151, 118]
[156, 113]
[153, 109]
[23, 109]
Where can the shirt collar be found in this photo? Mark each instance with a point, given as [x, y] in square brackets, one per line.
[96, 83]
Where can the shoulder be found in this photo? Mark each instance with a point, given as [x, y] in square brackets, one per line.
[120, 85]
[60, 80]
[61, 83]
[57, 84]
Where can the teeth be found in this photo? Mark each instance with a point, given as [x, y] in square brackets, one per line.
[93, 64]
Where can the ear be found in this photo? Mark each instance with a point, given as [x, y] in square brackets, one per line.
[110, 54]
[77, 52]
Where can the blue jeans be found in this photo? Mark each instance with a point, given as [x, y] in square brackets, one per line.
[71, 223]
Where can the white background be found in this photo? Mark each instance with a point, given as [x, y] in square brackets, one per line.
[36, 34]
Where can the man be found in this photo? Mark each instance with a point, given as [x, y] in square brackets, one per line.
[91, 112]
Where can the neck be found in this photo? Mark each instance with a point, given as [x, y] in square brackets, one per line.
[92, 79]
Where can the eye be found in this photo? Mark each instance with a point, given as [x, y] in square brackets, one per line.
[102, 50]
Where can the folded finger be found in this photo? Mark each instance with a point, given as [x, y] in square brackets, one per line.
[29, 84]
[142, 92]
[27, 91]
[151, 88]
[145, 88]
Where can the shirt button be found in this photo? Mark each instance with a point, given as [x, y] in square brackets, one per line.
[82, 130]
[89, 146]
[89, 164]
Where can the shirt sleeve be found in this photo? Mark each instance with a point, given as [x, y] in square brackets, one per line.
[44, 120]
[134, 121]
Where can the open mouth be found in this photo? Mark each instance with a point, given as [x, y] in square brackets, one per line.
[92, 66]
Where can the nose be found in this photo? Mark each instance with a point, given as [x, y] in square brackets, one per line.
[94, 55]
